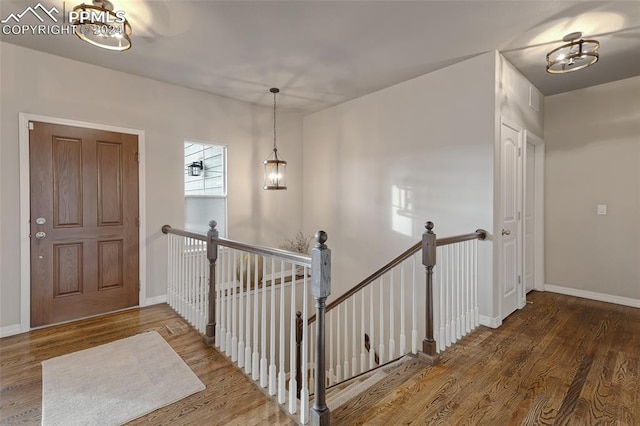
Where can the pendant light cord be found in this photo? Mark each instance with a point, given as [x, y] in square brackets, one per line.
[275, 148]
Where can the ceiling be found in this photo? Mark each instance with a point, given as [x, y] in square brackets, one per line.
[321, 53]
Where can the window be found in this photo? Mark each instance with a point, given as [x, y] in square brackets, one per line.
[212, 178]
[205, 194]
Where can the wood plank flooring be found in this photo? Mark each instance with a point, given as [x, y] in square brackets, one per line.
[229, 399]
[561, 360]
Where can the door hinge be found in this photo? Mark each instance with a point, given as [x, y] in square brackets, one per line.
[30, 125]
[138, 221]
[518, 215]
[137, 154]
[138, 285]
[519, 152]
[519, 279]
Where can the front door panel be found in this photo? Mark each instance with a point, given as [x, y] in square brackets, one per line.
[84, 213]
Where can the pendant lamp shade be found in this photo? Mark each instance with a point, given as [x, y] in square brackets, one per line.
[275, 167]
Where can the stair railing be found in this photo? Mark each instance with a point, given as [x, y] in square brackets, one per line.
[252, 303]
[360, 318]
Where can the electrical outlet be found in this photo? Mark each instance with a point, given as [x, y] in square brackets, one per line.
[602, 209]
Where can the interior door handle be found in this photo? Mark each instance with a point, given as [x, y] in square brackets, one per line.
[41, 235]
[506, 232]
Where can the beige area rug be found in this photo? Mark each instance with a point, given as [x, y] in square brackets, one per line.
[114, 383]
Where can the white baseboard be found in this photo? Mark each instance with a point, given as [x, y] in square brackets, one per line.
[154, 300]
[494, 322]
[601, 297]
[10, 330]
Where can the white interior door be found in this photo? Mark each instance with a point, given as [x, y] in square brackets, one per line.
[510, 259]
[529, 217]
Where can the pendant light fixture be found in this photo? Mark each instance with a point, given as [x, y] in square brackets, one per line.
[99, 25]
[275, 168]
[573, 56]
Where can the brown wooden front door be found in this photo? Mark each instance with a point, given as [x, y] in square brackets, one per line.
[84, 222]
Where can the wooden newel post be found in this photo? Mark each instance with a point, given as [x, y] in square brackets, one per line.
[320, 290]
[429, 261]
[212, 255]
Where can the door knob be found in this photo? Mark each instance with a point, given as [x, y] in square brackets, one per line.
[506, 232]
[41, 235]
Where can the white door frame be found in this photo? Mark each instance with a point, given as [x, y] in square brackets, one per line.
[538, 241]
[25, 206]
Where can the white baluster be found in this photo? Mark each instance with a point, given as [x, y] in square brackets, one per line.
[472, 311]
[229, 300]
[241, 314]
[197, 286]
[392, 331]
[282, 376]
[475, 283]
[185, 278]
[354, 338]
[447, 286]
[382, 323]
[372, 329]
[414, 308]
[363, 356]
[331, 372]
[272, 334]
[466, 309]
[452, 288]
[293, 383]
[223, 299]
[170, 256]
[234, 309]
[441, 296]
[182, 279]
[176, 272]
[218, 290]
[178, 282]
[304, 393]
[454, 294]
[190, 280]
[247, 339]
[458, 293]
[200, 288]
[255, 361]
[403, 337]
[174, 278]
[345, 370]
[263, 330]
[338, 353]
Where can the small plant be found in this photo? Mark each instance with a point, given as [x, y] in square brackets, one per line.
[299, 244]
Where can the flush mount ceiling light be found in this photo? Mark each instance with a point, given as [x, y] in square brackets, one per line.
[573, 56]
[101, 26]
[275, 168]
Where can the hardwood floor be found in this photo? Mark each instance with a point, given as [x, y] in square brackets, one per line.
[229, 399]
[560, 360]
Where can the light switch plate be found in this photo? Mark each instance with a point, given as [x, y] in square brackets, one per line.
[602, 209]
